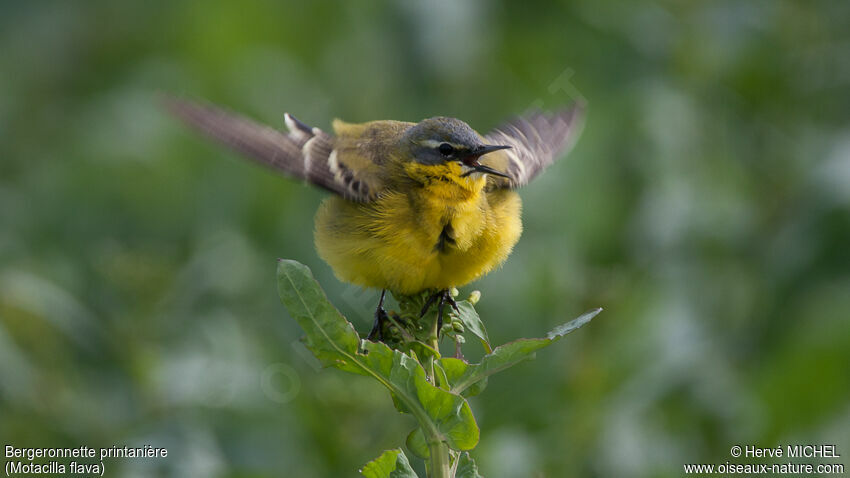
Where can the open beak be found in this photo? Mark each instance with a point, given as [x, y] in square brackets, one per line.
[471, 160]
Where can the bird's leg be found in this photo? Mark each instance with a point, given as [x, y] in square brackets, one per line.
[380, 317]
[429, 303]
[442, 297]
[445, 298]
[440, 311]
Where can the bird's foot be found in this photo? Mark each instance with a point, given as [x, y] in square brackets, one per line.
[442, 297]
[448, 299]
[429, 302]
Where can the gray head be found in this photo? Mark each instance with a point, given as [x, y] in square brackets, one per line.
[441, 139]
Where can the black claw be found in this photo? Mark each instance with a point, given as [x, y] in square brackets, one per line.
[377, 334]
[451, 301]
[442, 297]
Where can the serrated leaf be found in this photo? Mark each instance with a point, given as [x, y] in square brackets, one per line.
[466, 467]
[464, 377]
[444, 415]
[472, 323]
[391, 464]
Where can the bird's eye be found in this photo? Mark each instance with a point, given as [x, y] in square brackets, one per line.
[446, 149]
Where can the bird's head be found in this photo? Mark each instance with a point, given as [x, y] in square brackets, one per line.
[449, 148]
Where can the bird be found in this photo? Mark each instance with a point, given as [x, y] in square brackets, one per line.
[414, 207]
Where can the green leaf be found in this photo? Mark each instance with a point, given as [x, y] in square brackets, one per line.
[465, 376]
[472, 322]
[440, 376]
[455, 369]
[391, 464]
[443, 416]
[331, 338]
[422, 351]
[417, 445]
[466, 467]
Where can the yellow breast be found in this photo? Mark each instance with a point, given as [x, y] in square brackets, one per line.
[410, 241]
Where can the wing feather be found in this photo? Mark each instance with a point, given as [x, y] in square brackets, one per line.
[304, 153]
[537, 139]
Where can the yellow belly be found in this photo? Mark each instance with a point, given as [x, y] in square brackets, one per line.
[395, 242]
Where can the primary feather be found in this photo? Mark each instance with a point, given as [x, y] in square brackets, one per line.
[537, 140]
[302, 153]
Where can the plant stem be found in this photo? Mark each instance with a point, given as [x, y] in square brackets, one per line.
[434, 343]
[434, 339]
[439, 466]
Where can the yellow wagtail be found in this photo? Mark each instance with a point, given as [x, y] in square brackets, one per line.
[416, 206]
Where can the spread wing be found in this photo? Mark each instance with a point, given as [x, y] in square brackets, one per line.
[304, 153]
[536, 139]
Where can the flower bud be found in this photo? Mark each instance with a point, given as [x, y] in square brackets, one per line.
[474, 297]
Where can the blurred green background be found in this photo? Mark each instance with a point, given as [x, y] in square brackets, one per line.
[705, 208]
